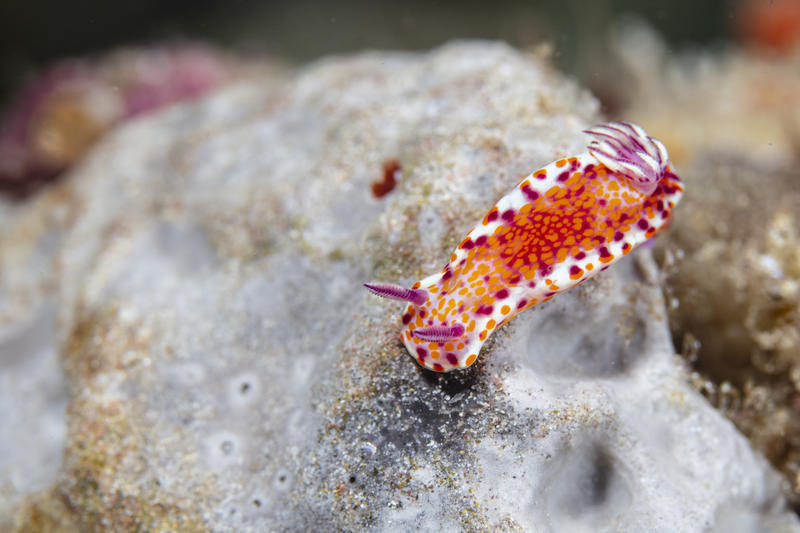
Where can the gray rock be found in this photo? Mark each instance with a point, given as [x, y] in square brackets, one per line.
[227, 372]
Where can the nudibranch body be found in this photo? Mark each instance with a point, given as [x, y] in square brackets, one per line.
[560, 226]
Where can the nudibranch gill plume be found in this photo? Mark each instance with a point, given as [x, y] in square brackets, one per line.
[560, 226]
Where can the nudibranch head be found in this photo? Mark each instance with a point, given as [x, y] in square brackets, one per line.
[557, 228]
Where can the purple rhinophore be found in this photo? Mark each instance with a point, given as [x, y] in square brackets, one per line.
[396, 292]
[439, 333]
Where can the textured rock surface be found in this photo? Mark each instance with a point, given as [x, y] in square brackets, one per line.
[226, 371]
[741, 326]
[734, 255]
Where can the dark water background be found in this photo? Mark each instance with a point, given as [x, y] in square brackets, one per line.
[33, 33]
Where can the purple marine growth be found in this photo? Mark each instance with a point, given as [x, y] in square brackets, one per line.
[558, 227]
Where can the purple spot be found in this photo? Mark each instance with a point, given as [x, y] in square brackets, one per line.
[447, 275]
[589, 167]
[563, 176]
[451, 357]
[580, 255]
[574, 270]
[530, 193]
[532, 284]
[484, 310]
[618, 236]
[549, 294]
[492, 216]
[514, 280]
[664, 215]
[540, 176]
[660, 205]
[508, 215]
[480, 241]
[643, 224]
[422, 313]
[522, 303]
[602, 201]
[462, 262]
[406, 318]
[501, 294]
[467, 244]
[422, 352]
[604, 252]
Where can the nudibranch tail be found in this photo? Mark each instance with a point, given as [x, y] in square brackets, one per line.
[626, 149]
[439, 333]
[561, 225]
[396, 292]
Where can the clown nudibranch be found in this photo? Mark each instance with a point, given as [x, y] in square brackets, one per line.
[560, 226]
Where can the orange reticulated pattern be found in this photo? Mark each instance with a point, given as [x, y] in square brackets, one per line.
[591, 210]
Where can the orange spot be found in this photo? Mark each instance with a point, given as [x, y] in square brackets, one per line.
[435, 355]
[471, 359]
[606, 259]
[541, 174]
[589, 266]
[577, 275]
[573, 180]
[561, 162]
[449, 346]
[453, 258]
[483, 334]
[471, 326]
[460, 346]
[505, 309]
[491, 324]
[551, 191]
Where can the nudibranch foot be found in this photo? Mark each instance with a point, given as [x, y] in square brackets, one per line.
[561, 225]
